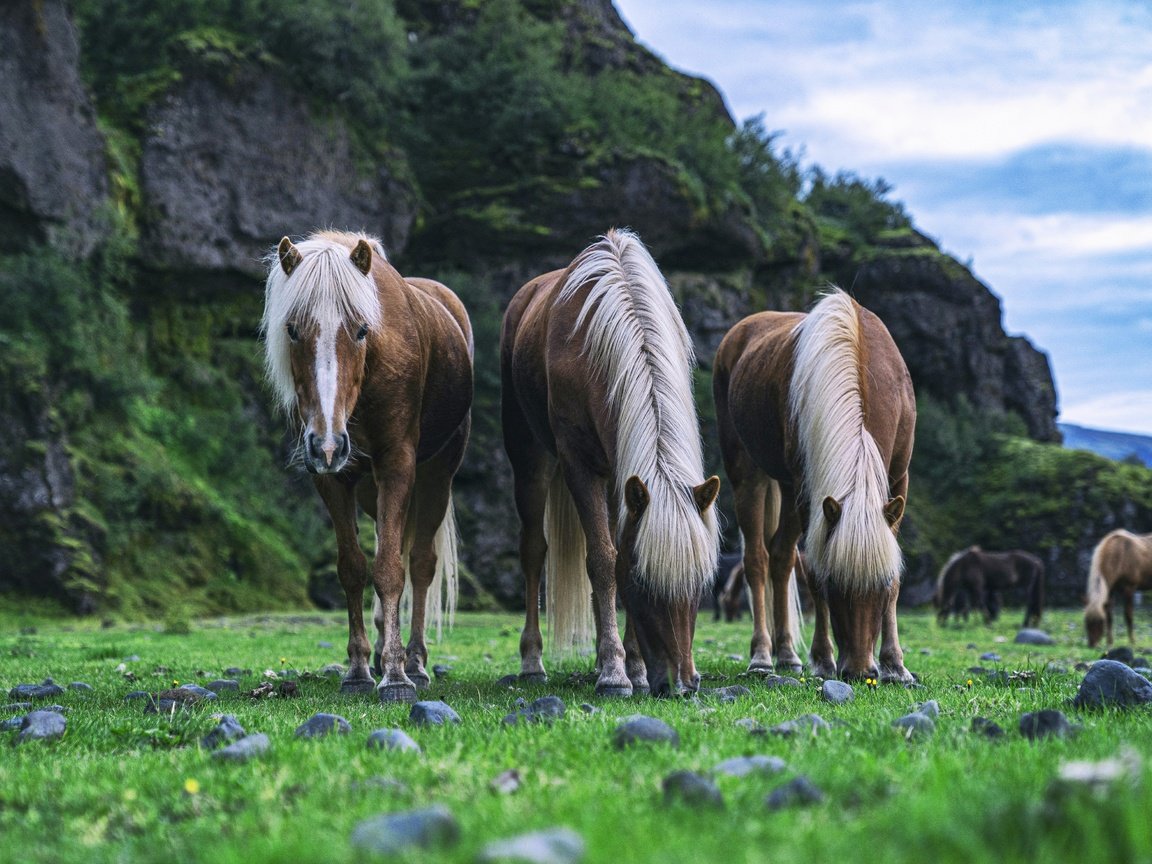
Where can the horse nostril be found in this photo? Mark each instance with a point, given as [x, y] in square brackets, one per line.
[345, 445]
[313, 445]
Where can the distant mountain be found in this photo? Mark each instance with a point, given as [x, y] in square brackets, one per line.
[1113, 445]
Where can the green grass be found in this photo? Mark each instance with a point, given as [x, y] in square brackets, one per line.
[113, 789]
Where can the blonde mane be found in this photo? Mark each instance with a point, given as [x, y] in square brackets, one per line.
[324, 289]
[839, 454]
[637, 341]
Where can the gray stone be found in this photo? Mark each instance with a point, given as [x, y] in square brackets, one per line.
[837, 692]
[1113, 684]
[915, 724]
[797, 792]
[46, 690]
[780, 681]
[542, 710]
[332, 670]
[227, 729]
[1121, 654]
[740, 766]
[199, 692]
[1030, 636]
[638, 728]
[392, 739]
[508, 681]
[751, 725]
[506, 782]
[725, 694]
[244, 749]
[236, 672]
[390, 833]
[221, 685]
[690, 788]
[805, 724]
[42, 726]
[550, 846]
[319, 725]
[1045, 724]
[15, 706]
[80, 687]
[931, 708]
[12, 724]
[987, 728]
[990, 656]
[324, 645]
[432, 713]
[589, 708]
[137, 694]
[441, 670]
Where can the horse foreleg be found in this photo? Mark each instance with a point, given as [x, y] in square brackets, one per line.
[394, 482]
[823, 661]
[1108, 622]
[750, 494]
[634, 666]
[782, 561]
[352, 567]
[1129, 603]
[892, 669]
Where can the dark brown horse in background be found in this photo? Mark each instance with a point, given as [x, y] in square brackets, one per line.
[601, 429]
[817, 416]
[1121, 564]
[975, 577]
[378, 371]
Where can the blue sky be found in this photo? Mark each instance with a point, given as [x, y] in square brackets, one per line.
[1018, 135]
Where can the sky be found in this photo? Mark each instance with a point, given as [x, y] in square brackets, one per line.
[1018, 135]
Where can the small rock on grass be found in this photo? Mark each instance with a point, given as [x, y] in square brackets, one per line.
[751, 725]
[432, 713]
[1122, 654]
[931, 708]
[725, 694]
[508, 681]
[780, 681]
[1113, 684]
[390, 833]
[690, 788]
[640, 728]
[550, 846]
[805, 724]
[990, 656]
[48, 689]
[392, 739]
[987, 728]
[80, 687]
[1031, 636]
[332, 670]
[741, 766]
[797, 792]
[1045, 724]
[915, 724]
[506, 782]
[246, 748]
[228, 729]
[542, 710]
[42, 726]
[319, 725]
[220, 685]
[441, 670]
[837, 692]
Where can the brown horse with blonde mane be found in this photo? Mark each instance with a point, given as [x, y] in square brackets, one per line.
[1121, 564]
[378, 371]
[601, 429]
[817, 416]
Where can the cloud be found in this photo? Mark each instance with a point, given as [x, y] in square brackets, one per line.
[1126, 411]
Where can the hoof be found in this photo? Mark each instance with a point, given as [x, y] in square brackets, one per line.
[420, 679]
[896, 676]
[614, 690]
[400, 692]
[533, 677]
[823, 670]
[759, 667]
[356, 686]
[640, 689]
[789, 668]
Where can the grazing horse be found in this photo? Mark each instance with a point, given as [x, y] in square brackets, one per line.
[728, 595]
[973, 575]
[817, 416]
[1121, 562]
[378, 370]
[600, 427]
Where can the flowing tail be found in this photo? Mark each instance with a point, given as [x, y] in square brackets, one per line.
[568, 594]
[1097, 586]
[942, 596]
[440, 603]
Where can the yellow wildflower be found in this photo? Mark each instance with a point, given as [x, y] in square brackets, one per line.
[192, 786]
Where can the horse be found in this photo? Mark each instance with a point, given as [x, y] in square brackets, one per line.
[728, 595]
[817, 417]
[378, 370]
[600, 427]
[1122, 561]
[975, 575]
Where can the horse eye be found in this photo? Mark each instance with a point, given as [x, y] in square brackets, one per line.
[293, 333]
[362, 333]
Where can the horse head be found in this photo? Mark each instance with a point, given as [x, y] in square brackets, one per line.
[664, 623]
[327, 326]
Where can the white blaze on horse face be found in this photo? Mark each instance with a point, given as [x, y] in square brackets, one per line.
[327, 380]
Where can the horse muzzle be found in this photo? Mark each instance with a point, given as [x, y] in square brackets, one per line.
[328, 454]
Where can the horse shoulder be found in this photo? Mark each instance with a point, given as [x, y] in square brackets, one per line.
[447, 299]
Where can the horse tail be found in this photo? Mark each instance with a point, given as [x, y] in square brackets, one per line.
[944, 580]
[1098, 586]
[568, 603]
[841, 458]
[636, 341]
[444, 590]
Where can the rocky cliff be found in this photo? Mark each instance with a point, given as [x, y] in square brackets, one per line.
[232, 156]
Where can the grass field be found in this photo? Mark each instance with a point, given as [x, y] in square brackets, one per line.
[122, 785]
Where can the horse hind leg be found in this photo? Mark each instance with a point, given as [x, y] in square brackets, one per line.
[531, 497]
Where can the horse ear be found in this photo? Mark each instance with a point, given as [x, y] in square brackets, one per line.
[831, 511]
[289, 255]
[894, 510]
[362, 256]
[636, 496]
[705, 494]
